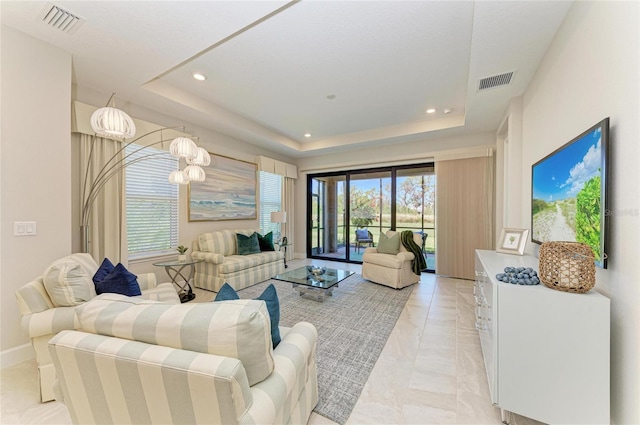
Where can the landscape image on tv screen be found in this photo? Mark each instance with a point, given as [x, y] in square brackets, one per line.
[568, 193]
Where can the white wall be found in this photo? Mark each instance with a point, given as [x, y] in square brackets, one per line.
[35, 166]
[36, 125]
[393, 154]
[591, 72]
[509, 169]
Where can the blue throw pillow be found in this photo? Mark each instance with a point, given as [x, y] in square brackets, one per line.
[226, 293]
[362, 234]
[105, 268]
[248, 244]
[269, 296]
[119, 281]
[266, 242]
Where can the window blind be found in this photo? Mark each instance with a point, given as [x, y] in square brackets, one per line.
[270, 200]
[151, 202]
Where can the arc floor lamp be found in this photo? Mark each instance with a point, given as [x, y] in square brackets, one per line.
[112, 123]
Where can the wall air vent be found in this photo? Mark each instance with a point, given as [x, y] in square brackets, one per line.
[495, 81]
[61, 19]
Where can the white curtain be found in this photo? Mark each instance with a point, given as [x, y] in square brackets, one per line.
[106, 211]
[289, 172]
[288, 204]
[464, 213]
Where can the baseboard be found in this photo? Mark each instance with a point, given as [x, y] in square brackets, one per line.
[16, 355]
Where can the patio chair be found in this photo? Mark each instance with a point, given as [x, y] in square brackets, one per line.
[363, 237]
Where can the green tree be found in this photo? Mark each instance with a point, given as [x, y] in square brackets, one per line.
[364, 206]
[588, 215]
[538, 205]
[416, 194]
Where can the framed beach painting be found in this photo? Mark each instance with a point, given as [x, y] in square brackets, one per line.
[228, 192]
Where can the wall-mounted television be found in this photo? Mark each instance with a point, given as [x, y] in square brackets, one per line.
[569, 193]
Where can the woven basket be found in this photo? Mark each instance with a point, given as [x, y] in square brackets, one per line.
[567, 266]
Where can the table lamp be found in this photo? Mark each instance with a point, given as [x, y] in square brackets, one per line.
[278, 217]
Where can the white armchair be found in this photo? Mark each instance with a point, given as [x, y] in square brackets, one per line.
[42, 319]
[391, 270]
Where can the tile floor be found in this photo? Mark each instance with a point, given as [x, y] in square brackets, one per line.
[430, 371]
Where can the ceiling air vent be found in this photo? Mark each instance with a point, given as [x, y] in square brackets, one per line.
[61, 19]
[495, 81]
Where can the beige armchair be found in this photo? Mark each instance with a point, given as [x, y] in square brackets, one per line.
[391, 270]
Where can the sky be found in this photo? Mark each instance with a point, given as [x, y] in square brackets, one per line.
[563, 174]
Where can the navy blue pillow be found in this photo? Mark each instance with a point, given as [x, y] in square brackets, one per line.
[269, 296]
[105, 268]
[119, 281]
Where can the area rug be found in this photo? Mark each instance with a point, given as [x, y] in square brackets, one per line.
[353, 327]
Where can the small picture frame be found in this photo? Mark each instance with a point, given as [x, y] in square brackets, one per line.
[512, 241]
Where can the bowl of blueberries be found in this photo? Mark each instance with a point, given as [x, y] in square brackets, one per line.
[519, 276]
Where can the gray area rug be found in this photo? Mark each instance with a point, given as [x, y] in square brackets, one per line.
[353, 327]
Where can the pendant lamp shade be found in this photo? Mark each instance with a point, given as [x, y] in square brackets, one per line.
[195, 173]
[112, 123]
[202, 158]
[179, 177]
[183, 147]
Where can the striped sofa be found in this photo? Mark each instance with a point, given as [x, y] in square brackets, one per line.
[41, 319]
[222, 264]
[139, 361]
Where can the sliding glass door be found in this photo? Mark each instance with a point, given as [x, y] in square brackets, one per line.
[348, 210]
[327, 217]
[369, 210]
[415, 207]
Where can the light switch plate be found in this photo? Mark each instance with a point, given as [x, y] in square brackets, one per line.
[24, 228]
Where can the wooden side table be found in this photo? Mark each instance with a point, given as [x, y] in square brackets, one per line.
[174, 269]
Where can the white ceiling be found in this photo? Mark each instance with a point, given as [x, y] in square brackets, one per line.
[271, 65]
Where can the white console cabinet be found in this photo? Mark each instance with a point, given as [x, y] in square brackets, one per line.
[546, 352]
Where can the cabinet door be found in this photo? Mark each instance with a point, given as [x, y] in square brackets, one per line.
[554, 355]
[485, 324]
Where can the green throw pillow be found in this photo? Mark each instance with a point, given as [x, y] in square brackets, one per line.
[266, 242]
[248, 244]
[389, 245]
[269, 296]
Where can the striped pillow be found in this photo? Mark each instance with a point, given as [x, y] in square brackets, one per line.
[68, 283]
[240, 329]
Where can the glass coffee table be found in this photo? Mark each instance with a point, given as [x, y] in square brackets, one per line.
[317, 286]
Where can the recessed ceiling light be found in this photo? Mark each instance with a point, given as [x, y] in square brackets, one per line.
[199, 77]
[430, 111]
[447, 110]
[307, 135]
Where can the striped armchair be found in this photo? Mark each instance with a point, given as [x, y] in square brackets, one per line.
[137, 361]
[42, 319]
[222, 264]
